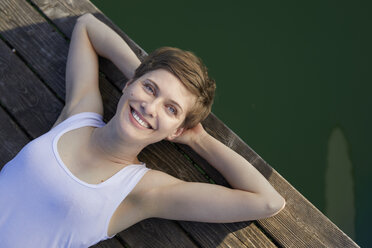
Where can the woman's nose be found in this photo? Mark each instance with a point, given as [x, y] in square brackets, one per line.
[149, 108]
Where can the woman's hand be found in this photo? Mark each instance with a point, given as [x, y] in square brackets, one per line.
[191, 136]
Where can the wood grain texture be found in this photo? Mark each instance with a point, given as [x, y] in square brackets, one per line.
[12, 139]
[110, 243]
[156, 232]
[25, 29]
[24, 95]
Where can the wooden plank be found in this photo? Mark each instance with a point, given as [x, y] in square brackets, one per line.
[24, 96]
[110, 243]
[15, 27]
[12, 139]
[158, 233]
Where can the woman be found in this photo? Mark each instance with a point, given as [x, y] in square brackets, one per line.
[82, 182]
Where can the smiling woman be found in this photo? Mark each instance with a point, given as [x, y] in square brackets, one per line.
[149, 101]
[169, 106]
[191, 72]
[82, 180]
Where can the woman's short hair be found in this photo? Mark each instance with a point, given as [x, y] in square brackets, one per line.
[193, 74]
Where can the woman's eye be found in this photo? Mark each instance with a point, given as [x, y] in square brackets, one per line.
[172, 110]
[148, 88]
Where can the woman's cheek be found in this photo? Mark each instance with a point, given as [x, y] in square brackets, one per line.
[131, 93]
[135, 92]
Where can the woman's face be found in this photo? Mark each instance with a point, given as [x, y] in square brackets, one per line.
[154, 106]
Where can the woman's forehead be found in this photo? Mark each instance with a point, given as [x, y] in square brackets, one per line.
[161, 76]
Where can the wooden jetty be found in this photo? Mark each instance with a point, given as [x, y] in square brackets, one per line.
[34, 40]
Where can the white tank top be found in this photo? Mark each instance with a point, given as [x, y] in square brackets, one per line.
[42, 204]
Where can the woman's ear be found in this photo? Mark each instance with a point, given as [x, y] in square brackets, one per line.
[176, 133]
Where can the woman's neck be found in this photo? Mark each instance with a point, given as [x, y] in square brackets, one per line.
[106, 145]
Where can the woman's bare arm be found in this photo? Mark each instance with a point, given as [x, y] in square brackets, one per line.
[89, 39]
[252, 198]
[237, 170]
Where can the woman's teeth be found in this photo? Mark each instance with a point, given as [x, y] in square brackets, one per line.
[144, 124]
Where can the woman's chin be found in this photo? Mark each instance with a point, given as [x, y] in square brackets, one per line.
[128, 131]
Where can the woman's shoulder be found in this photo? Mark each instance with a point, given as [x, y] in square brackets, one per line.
[152, 181]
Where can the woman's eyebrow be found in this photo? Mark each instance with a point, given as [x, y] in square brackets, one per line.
[172, 101]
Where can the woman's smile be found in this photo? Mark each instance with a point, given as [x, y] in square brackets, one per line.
[138, 120]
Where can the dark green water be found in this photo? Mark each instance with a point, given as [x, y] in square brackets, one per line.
[293, 81]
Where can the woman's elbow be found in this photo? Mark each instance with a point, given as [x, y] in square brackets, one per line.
[85, 17]
[274, 205]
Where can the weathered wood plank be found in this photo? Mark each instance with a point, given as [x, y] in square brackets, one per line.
[110, 243]
[17, 25]
[12, 139]
[179, 176]
[24, 96]
[158, 233]
[245, 234]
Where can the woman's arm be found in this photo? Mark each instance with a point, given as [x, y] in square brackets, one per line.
[107, 43]
[236, 170]
[90, 38]
[252, 197]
